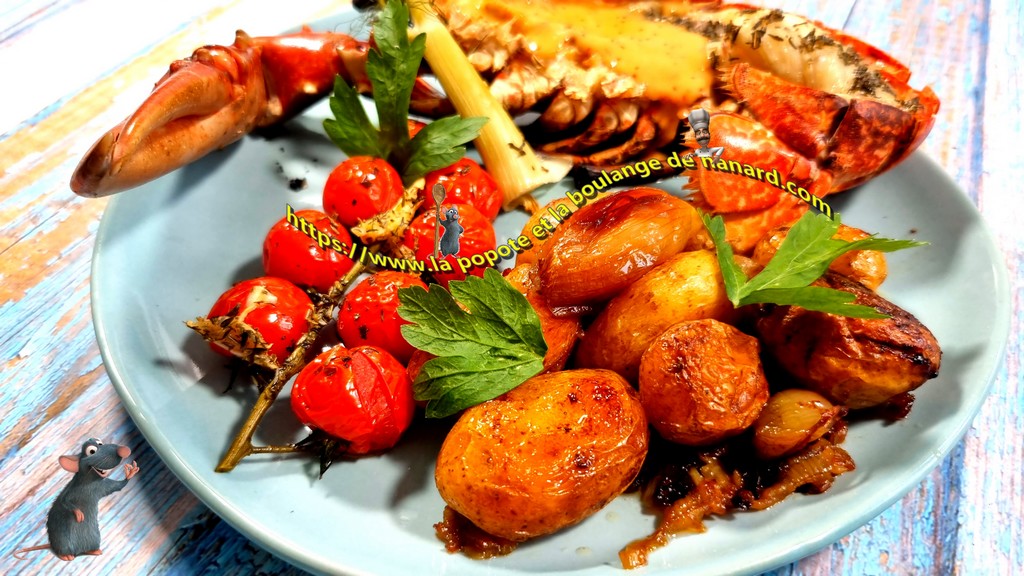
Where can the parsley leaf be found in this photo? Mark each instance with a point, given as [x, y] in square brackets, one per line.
[481, 354]
[803, 257]
[439, 144]
[392, 66]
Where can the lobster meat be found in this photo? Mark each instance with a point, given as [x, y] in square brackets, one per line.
[611, 82]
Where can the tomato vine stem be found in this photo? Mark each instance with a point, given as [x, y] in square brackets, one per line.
[319, 318]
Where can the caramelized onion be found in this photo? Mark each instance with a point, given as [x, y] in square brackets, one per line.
[610, 243]
[791, 420]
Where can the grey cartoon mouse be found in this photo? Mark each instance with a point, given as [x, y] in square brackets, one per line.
[73, 523]
[452, 231]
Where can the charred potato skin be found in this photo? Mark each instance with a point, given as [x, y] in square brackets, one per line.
[688, 286]
[545, 455]
[856, 362]
[608, 244]
[702, 382]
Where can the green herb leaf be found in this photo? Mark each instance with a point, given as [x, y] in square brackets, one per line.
[818, 298]
[392, 69]
[439, 144]
[481, 354]
[351, 129]
[392, 66]
[803, 257]
[732, 275]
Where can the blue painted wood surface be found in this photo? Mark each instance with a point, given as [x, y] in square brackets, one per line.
[72, 68]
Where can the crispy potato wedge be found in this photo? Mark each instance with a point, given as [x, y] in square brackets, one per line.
[545, 455]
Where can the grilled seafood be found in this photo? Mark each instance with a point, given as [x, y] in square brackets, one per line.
[825, 109]
[611, 81]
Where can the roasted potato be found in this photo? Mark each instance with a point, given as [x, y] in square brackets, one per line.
[701, 382]
[545, 455]
[687, 287]
[608, 244]
[865, 266]
[560, 332]
[851, 361]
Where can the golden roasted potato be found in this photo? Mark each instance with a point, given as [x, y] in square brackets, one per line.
[545, 455]
[851, 361]
[560, 332]
[608, 244]
[865, 266]
[687, 287]
[701, 382]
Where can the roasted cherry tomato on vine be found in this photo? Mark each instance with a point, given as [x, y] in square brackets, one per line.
[477, 239]
[359, 188]
[308, 249]
[362, 395]
[369, 314]
[274, 308]
[465, 182]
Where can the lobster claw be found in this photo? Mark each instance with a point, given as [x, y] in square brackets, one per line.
[215, 97]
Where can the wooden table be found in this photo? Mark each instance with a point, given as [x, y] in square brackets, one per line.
[73, 68]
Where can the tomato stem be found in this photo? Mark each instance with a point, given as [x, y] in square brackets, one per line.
[318, 319]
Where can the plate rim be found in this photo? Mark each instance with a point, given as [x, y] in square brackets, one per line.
[211, 497]
[995, 358]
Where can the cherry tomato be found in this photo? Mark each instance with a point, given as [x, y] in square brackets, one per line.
[369, 314]
[413, 367]
[292, 254]
[465, 182]
[359, 188]
[361, 395]
[477, 239]
[273, 307]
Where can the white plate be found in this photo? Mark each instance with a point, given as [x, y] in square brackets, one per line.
[166, 251]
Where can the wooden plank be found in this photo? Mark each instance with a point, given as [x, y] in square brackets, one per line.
[964, 518]
[990, 538]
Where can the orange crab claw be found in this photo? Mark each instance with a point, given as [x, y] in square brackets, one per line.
[215, 97]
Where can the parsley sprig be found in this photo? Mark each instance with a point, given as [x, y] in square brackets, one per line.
[481, 354]
[804, 256]
[392, 66]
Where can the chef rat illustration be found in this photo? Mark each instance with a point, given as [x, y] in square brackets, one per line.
[700, 121]
[452, 231]
[73, 523]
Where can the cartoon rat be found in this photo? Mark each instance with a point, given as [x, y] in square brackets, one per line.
[73, 523]
[452, 231]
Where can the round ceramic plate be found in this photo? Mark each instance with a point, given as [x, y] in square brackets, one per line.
[164, 253]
